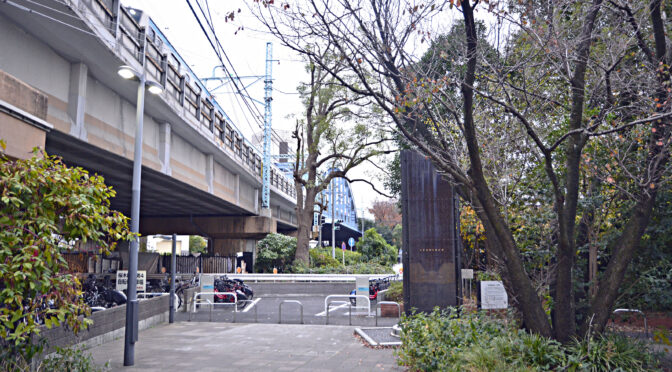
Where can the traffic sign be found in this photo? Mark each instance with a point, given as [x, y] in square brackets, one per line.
[351, 242]
[343, 245]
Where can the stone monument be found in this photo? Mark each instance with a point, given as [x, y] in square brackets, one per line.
[431, 246]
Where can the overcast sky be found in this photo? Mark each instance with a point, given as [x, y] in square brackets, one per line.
[247, 51]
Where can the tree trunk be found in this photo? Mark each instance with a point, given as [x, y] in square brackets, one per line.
[304, 216]
[533, 312]
[621, 255]
[305, 219]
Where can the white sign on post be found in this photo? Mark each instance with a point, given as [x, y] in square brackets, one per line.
[493, 295]
[362, 286]
[467, 273]
[122, 280]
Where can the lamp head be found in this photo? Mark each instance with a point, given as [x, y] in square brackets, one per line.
[154, 88]
[128, 72]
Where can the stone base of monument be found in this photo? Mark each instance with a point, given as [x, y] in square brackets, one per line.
[390, 310]
[396, 331]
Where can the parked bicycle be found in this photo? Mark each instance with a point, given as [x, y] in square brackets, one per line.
[180, 286]
[99, 297]
[243, 291]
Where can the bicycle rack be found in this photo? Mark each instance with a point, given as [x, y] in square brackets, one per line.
[387, 303]
[255, 311]
[289, 301]
[195, 299]
[646, 327]
[328, 303]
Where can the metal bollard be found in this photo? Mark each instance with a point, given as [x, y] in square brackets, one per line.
[290, 301]
[386, 302]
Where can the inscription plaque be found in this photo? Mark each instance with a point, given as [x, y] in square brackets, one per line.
[431, 257]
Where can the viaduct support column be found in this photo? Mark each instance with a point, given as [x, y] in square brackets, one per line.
[77, 99]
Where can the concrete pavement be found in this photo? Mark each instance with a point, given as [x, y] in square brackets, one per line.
[196, 347]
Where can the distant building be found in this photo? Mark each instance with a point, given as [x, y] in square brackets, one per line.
[165, 246]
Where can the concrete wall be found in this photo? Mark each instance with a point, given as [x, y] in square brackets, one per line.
[108, 120]
[22, 110]
[108, 325]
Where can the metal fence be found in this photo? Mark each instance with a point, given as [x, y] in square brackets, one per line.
[88, 262]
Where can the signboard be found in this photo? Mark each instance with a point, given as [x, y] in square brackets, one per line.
[467, 273]
[207, 285]
[493, 295]
[351, 242]
[122, 280]
[362, 286]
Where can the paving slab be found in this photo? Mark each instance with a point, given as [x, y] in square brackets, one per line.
[199, 346]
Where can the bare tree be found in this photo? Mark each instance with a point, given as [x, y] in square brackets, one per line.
[567, 77]
[325, 147]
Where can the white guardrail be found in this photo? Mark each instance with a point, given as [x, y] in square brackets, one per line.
[306, 277]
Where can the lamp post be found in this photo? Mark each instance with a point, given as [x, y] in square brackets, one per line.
[131, 335]
[333, 221]
[171, 312]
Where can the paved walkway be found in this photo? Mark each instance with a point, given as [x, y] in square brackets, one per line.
[199, 347]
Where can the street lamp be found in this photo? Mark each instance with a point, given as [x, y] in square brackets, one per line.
[171, 312]
[131, 336]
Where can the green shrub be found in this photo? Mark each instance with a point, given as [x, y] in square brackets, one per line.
[71, 360]
[275, 250]
[45, 206]
[374, 249]
[320, 258]
[610, 352]
[440, 341]
[361, 268]
[351, 257]
[395, 292]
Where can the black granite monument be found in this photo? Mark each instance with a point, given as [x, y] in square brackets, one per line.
[431, 256]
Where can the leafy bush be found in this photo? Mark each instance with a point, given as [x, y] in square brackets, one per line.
[440, 341]
[275, 250]
[395, 292]
[351, 258]
[47, 206]
[650, 288]
[71, 360]
[608, 353]
[374, 249]
[321, 258]
[197, 244]
[360, 268]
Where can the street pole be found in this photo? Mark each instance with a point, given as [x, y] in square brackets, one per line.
[333, 221]
[171, 313]
[131, 335]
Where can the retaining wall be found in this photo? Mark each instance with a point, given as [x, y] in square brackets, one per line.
[108, 325]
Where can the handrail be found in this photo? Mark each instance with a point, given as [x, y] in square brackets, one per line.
[646, 327]
[304, 277]
[334, 302]
[289, 301]
[387, 303]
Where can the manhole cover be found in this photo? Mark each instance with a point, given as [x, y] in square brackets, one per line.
[378, 336]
